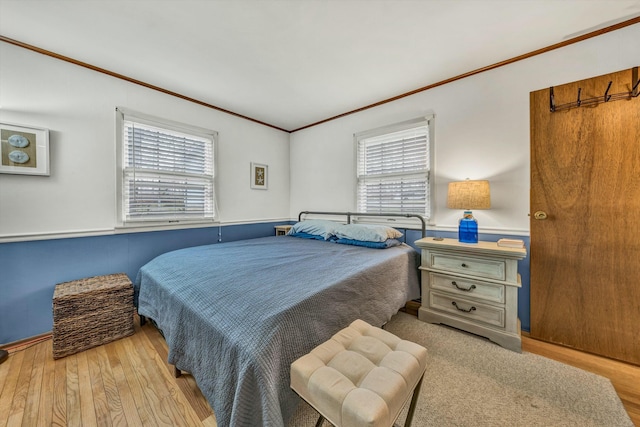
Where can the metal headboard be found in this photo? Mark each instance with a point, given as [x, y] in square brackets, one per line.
[350, 214]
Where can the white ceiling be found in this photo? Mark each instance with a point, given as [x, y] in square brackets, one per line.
[290, 63]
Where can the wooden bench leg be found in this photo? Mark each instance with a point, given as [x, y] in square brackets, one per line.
[412, 405]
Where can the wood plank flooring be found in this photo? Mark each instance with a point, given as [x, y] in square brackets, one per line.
[124, 383]
[128, 382]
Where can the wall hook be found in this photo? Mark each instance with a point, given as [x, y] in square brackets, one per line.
[607, 97]
[578, 101]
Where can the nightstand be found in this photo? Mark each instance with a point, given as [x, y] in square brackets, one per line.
[473, 287]
[282, 230]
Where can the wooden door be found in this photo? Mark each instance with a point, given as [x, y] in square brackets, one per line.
[585, 257]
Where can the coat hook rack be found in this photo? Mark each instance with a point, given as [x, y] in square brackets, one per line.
[635, 82]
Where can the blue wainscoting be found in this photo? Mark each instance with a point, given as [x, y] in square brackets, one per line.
[30, 270]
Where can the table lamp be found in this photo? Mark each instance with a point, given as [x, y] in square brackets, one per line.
[468, 195]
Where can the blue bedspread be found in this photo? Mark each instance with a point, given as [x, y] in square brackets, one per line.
[235, 315]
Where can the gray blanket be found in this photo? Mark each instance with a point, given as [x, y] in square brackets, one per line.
[235, 315]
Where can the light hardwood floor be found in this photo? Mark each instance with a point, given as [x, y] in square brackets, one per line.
[128, 382]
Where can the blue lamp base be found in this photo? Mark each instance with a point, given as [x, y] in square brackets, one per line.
[468, 228]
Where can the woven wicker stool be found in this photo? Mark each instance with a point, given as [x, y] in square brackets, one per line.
[362, 376]
[91, 312]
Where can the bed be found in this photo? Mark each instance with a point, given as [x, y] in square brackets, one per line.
[235, 315]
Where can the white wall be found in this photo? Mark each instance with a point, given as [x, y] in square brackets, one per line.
[78, 105]
[481, 132]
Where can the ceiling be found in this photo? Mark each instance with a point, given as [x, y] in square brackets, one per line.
[291, 63]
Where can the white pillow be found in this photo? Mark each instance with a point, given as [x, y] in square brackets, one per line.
[318, 227]
[366, 232]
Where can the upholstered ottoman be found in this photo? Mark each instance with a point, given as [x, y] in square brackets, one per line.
[362, 376]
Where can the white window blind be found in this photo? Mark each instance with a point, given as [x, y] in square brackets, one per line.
[167, 174]
[393, 171]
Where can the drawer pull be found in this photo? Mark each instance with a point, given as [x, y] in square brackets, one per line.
[462, 309]
[464, 265]
[464, 289]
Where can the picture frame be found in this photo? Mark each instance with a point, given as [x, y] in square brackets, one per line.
[259, 176]
[24, 150]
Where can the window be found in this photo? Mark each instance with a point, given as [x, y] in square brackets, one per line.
[393, 168]
[166, 171]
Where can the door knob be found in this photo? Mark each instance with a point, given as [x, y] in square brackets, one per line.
[540, 215]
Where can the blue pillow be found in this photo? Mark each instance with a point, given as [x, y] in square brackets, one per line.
[318, 227]
[375, 245]
[366, 232]
[307, 236]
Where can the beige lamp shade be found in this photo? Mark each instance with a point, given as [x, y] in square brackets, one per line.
[469, 195]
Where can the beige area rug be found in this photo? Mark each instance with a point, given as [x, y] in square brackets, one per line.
[471, 381]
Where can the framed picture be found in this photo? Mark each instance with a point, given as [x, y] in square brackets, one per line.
[259, 176]
[24, 150]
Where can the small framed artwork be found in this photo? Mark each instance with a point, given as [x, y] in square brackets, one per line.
[24, 150]
[259, 176]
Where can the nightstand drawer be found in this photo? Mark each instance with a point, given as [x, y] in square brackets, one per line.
[471, 288]
[472, 310]
[480, 267]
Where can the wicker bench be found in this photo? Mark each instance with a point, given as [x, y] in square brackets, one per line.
[91, 312]
[362, 376]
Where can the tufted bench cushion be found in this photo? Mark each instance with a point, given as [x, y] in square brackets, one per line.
[362, 376]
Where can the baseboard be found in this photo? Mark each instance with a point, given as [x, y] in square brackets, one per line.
[26, 342]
